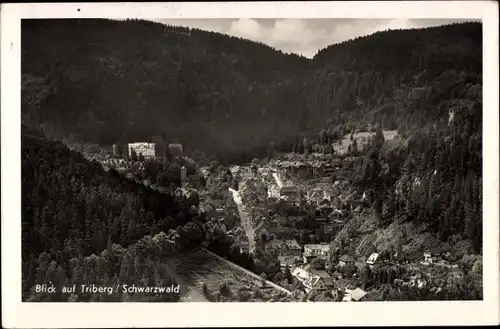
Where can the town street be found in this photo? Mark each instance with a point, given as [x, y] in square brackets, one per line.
[245, 220]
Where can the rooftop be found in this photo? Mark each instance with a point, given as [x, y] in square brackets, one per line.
[289, 188]
[274, 243]
[357, 294]
[346, 258]
[372, 259]
[322, 247]
[293, 244]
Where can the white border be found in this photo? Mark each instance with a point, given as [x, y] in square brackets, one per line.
[64, 315]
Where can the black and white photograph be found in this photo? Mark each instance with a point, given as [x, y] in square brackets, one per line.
[252, 160]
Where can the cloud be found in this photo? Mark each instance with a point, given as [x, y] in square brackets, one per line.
[302, 36]
[246, 28]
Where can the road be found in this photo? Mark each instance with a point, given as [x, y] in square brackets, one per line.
[246, 223]
[277, 179]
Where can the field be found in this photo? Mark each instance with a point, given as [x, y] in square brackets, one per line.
[197, 267]
[361, 138]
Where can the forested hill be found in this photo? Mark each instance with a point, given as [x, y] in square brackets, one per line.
[117, 81]
[401, 79]
[81, 224]
[436, 49]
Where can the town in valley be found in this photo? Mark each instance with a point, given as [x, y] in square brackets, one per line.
[158, 155]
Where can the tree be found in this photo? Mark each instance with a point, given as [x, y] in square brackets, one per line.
[263, 277]
[318, 263]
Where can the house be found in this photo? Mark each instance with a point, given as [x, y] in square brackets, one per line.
[317, 250]
[289, 191]
[372, 259]
[357, 294]
[289, 248]
[347, 296]
[273, 245]
[432, 255]
[319, 284]
[147, 150]
[290, 261]
[320, 273]
[346, 260]
[312, 281]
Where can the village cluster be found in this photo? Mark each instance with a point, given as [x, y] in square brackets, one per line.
[283, 211]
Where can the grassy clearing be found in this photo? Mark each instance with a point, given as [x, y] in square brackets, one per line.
[361, 139]
[199, 268]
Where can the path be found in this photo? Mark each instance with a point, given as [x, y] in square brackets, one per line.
[246, 223]
[277, 179]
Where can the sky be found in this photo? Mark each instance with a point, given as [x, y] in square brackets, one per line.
[302, 36]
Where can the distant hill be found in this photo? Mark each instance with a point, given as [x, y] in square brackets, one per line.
[109, 81]
[118, 81]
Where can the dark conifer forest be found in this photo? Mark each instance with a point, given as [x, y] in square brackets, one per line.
[107, 82]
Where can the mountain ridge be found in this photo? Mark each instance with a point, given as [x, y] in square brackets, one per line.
[107, 82]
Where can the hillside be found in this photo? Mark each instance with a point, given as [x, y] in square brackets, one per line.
[72, 213]
[401, 79]
[83, 225]
[117, 81]
[105, 81]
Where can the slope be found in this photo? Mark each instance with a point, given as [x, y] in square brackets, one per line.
[117, 81]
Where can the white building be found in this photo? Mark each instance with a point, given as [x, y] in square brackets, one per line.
[146, 149]
[183, 174]
[317, 249]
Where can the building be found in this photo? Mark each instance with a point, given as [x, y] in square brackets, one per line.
[346, 260]
[312, 281]
[357, 294]
[316, 250]
[289, 248]
[175, 148]
[427, 257]
[372, 259]
[273, 246]
[290, 261]
[289, 191]
[432, 255]
[115, 150]
[353, 295]
[146, 149]
[183, 174]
